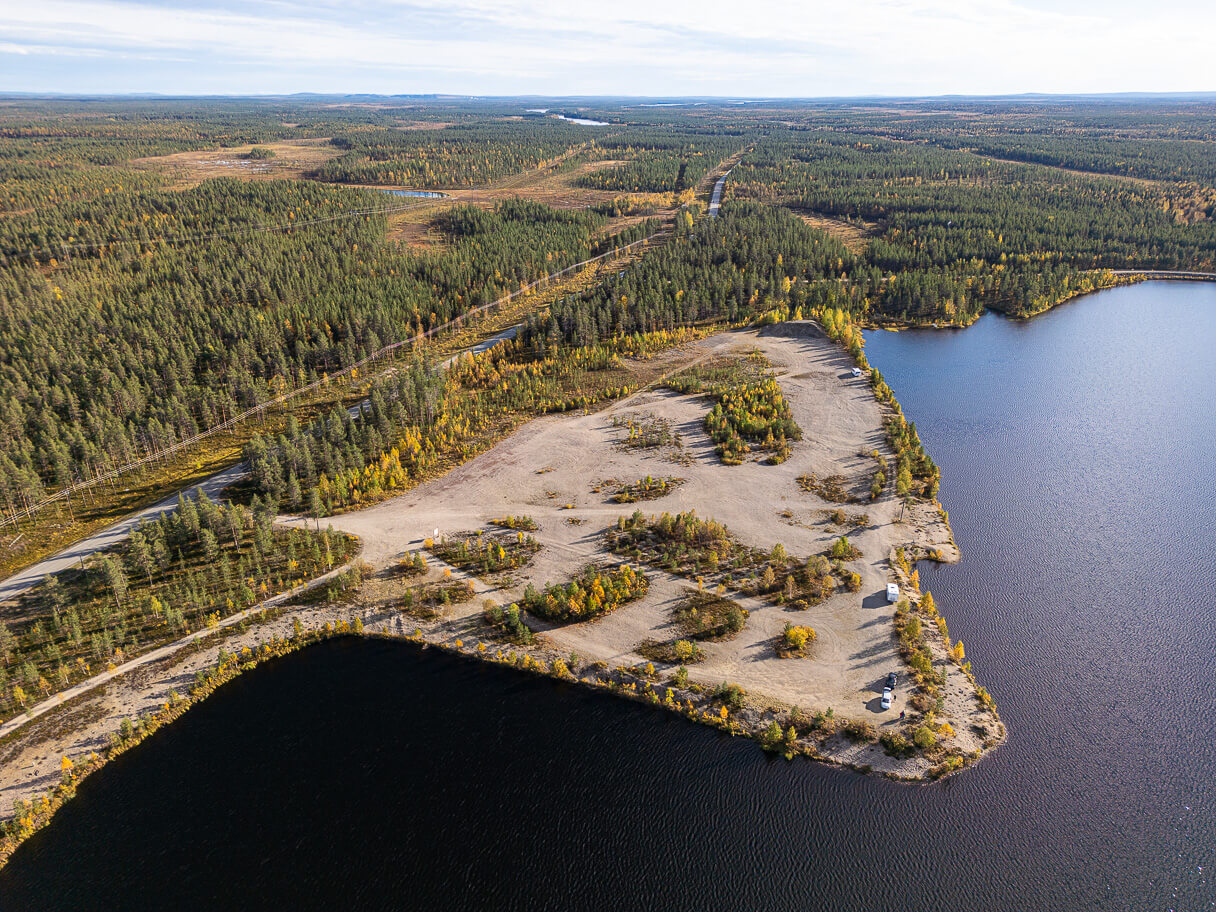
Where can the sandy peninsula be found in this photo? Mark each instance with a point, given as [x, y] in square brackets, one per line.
[562, 471]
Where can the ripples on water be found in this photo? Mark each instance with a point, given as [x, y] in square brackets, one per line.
[1076, 451]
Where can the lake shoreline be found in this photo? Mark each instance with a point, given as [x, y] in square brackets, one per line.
[285, 629]
[34, 774]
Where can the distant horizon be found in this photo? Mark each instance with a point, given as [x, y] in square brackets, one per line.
[631, 48]
[616, 97]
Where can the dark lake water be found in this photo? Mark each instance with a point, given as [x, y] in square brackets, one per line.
[423, 194]
[1081, 482]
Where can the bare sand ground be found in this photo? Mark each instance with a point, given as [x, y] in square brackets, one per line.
[547, 470]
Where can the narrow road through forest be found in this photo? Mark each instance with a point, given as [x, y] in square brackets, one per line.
[715, 201]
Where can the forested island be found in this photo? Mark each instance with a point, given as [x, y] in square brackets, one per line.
[193, 286]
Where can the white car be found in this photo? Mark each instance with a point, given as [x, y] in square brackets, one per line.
[892, 592]
[887, 696]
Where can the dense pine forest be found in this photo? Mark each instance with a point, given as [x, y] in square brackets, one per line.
[460, 155]
[141, 303]
[173, 311]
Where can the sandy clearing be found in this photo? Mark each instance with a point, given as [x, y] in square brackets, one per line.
[293, 159]
[841, 421]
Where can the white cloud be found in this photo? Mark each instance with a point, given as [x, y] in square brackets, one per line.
[758, 47]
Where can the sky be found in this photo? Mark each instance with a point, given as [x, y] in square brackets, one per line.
[753, 48]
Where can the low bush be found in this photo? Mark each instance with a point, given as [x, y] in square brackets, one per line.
[794, 640]
[482, 554]
[831, 489]
[672, 652]
[824, 721]
[844, 550]
[526, 523]
[510, 620]
[860, 730]
[597, 591]
[706, 616]
[731, 695]
[647, 488]
[896, 745]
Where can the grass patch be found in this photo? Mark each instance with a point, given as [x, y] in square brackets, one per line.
[428, 601]
[647, 432]
[647, 488]
[706, 616]
[831, 489]
[482, 554]
[673, 652]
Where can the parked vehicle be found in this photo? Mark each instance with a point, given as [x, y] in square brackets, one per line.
[892, 680]
[887, 696]
[892, 592]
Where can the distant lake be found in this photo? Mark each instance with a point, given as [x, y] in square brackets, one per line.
[1077, 455]
[424, 194]
[582, 121]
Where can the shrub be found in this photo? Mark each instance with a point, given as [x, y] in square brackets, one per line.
[411, 563]
[924, 738]
[860, 730]
[843, 549]
[831, 489]
[876, 486]
[648, 488]
[824, 721]
[921, 662]
[947, 766]
[526, 523]
[686, 651]
[674, 652]
[731, 694]
[795, 639]
[705, 616]
[896, 745]
[494, 553]
[921, 701]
